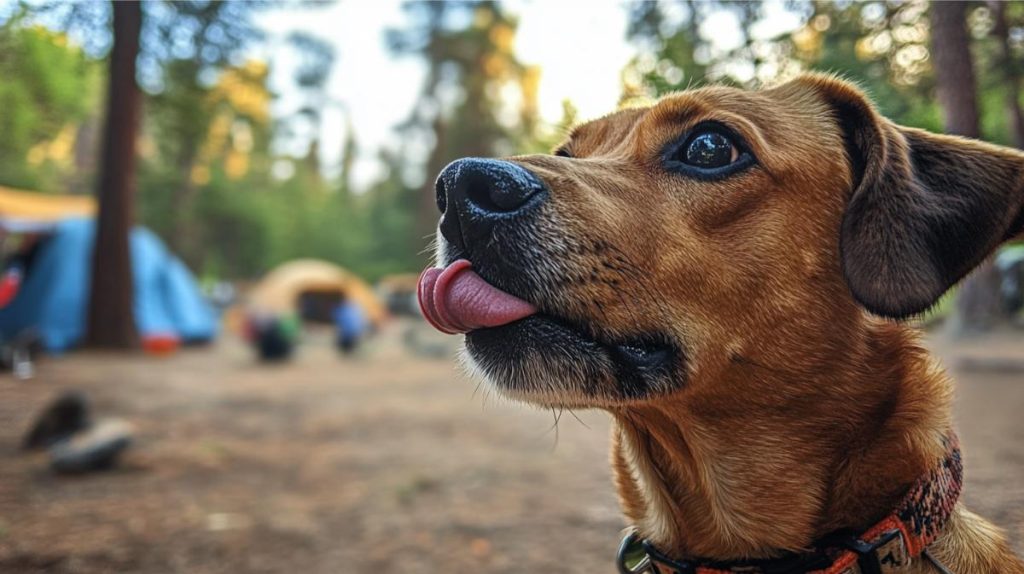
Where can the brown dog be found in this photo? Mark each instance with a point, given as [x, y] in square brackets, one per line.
[724, 272]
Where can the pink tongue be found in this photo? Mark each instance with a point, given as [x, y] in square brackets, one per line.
[457, 300]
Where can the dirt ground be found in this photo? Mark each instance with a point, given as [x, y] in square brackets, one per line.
[382, 463]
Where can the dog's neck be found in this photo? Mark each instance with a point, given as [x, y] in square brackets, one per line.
[807, 454]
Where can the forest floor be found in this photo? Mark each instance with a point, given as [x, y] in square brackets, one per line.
[386, 462]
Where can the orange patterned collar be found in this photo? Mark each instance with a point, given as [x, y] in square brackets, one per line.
[888, 547]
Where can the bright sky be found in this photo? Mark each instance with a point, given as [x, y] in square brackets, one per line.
[580, 46]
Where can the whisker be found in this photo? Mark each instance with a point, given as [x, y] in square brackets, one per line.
[558, 417]
[578, 419]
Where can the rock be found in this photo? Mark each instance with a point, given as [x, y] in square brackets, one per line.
[64, 417]
[98, 448]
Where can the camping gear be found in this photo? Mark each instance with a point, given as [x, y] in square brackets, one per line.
[54, 294]
[19, 353]
[10, 283]
[1010, 263]
[273, 337]
[75, 443]
[312, 289]
[64, 417]
[97, 448]
[160, 344]
[399, 294]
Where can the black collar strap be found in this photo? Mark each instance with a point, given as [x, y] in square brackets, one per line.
[887, 547]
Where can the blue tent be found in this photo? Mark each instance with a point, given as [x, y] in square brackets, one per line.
[53, 297]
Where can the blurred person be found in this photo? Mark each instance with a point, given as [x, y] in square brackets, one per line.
[350, 322]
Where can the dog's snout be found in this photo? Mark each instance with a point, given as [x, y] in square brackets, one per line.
[488, 185]
[473, 194]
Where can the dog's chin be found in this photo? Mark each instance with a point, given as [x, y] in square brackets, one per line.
[545, 361]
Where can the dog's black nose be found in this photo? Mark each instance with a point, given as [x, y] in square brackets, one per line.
[474, 194]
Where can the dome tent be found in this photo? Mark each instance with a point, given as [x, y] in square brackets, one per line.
[54, 297]
[317, 286]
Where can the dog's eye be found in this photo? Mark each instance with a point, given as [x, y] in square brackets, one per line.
[710, 150]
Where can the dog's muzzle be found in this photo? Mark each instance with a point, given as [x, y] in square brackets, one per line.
[519, 282]
[476, 196]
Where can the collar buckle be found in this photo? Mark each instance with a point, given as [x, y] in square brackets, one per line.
[638, 556]
[873, 556]
[632, 558]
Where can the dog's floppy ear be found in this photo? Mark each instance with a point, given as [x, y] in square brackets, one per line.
[924, 210]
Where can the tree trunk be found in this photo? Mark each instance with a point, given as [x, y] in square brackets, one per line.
[1011, 75]
[954, 70]
[978, 305]
[111, 320]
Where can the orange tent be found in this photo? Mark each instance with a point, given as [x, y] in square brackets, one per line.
[17, 206]
[283, 289]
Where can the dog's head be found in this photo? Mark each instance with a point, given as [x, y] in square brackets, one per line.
[661, 248]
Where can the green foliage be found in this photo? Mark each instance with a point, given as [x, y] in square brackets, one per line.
[247, 226]
[473, 60]
[47, 86]
[881, 45]
[668, 58]
[240, 224]
[181, 112]
[206, 182]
